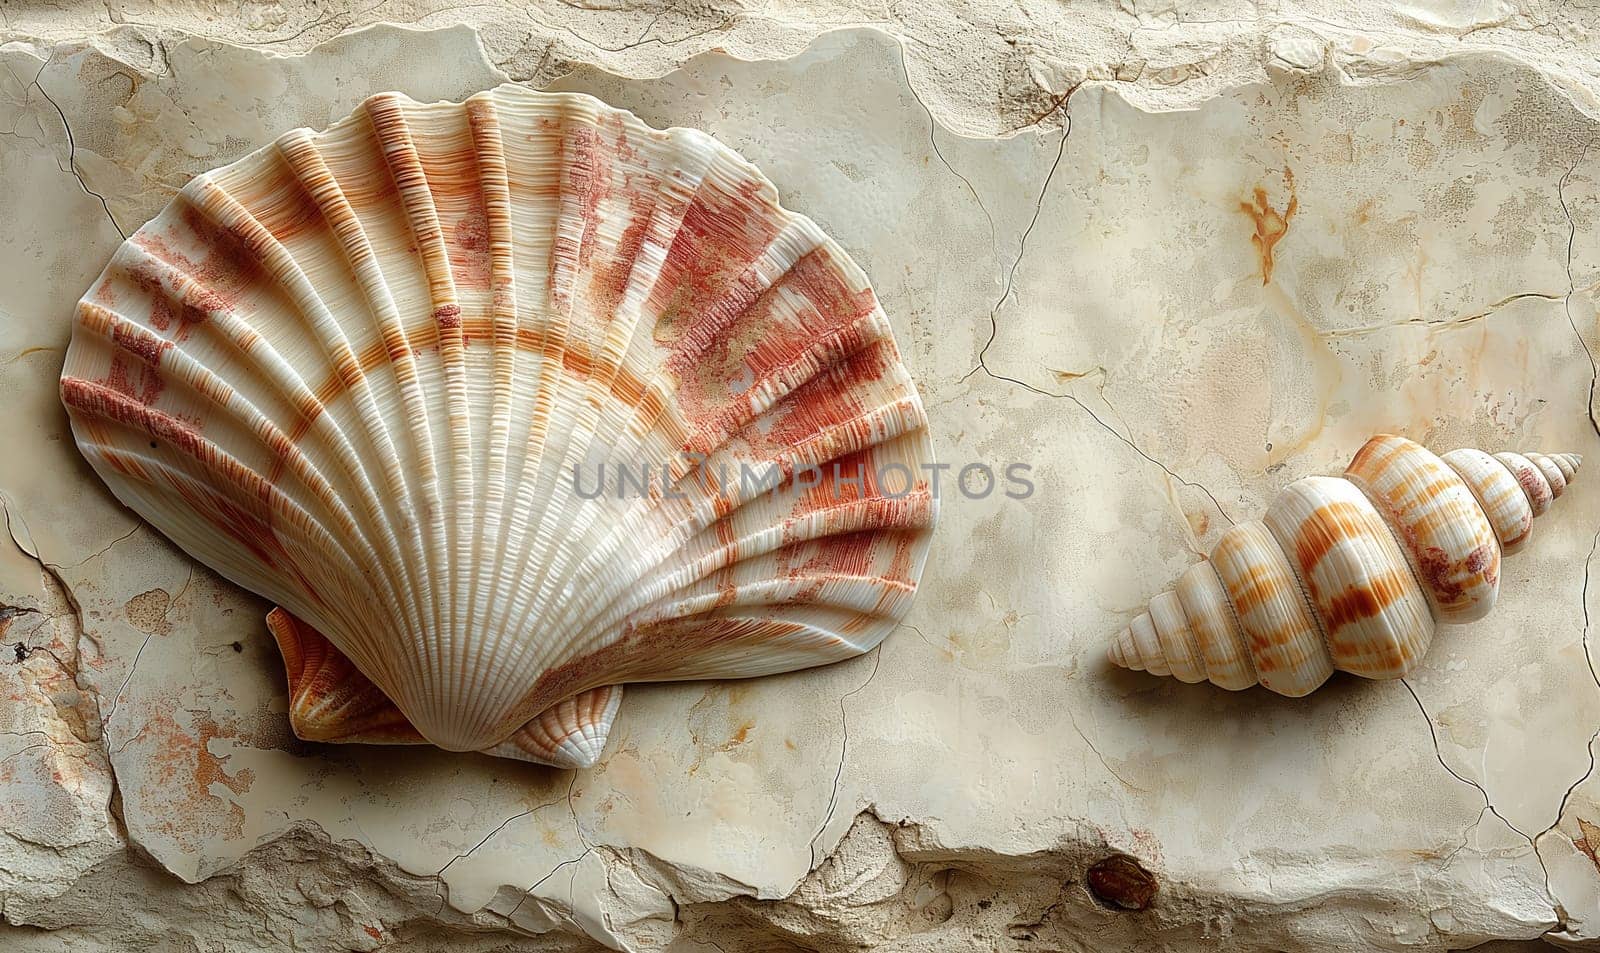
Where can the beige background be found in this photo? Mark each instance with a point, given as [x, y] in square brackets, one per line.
[1063, 210]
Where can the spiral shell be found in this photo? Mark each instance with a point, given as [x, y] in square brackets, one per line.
[1348, 573]
[377, 375]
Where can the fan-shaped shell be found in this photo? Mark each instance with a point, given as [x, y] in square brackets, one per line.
[1350, 574]
[378, 374]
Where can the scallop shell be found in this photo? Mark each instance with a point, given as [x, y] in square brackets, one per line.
[1350, 574]
[383, 374]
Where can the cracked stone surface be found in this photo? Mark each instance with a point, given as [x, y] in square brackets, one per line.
[1169, 313]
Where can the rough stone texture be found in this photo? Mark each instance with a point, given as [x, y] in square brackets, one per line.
[1366, 219]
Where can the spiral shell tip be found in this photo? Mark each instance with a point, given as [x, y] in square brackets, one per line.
[1117, 656]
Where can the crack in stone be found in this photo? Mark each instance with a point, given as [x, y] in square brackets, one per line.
[647, 28]
[1438, 753]
[17, 754]
[726, 22]
[22, 106]
[1572, 236]
[1140, 450]
[1046, 113]
[577, 827]
[1103, 762]
[9, 612]
[442, 889]
[116, 699]
[538, 68]
[75, 610]
[102, 550]
[349, 15]
[587, 849]
[921, 635]
[1444, 323]
[933, 140]
[844, 750]
[983, 367]
[72, 150]
[1561, 809]
[1594, 675]
[497, 829]
[24, 734]
[549, 31]
[1022, 249]
[1025, 930]
[511, 917]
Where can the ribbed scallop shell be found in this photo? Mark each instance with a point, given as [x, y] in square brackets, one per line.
[374, 374]
[1350, 574]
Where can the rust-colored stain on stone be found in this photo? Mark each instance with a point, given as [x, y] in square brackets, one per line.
[1119, 881]
[739, 736]
[1589, 843]
[181, 760]
[1270, 224]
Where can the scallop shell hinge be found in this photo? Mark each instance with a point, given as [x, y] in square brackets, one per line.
[378, 374]
[1349, 574]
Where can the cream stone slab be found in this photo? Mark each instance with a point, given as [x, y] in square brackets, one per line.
[1099, 306]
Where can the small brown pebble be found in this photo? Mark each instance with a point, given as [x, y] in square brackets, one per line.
[1120, 882]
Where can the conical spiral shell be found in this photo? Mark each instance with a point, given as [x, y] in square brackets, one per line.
[1348, 573]
[377, 374]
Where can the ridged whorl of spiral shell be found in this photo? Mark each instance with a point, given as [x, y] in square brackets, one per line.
[1348, 573]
